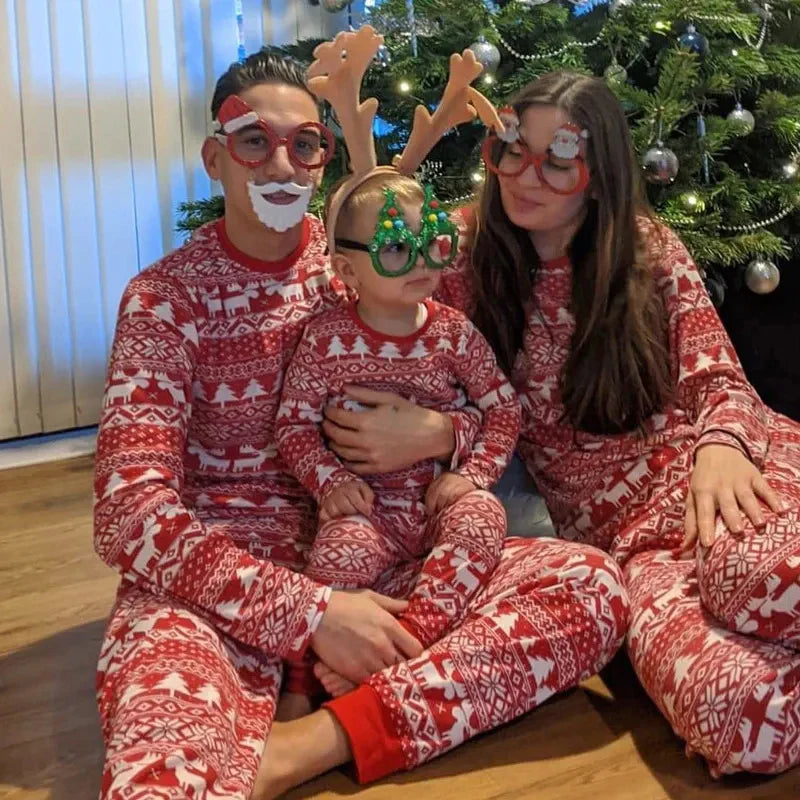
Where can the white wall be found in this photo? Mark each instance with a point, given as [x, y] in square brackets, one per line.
[103, 107]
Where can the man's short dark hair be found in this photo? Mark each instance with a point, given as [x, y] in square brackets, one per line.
[265, 66]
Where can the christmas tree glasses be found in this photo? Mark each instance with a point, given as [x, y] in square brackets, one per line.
[395, 248]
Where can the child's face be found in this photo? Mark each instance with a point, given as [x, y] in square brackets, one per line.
[529, 203]
[357, 270]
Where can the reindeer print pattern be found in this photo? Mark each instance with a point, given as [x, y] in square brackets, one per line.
[338, 349]
[715, 634]
[195, 508]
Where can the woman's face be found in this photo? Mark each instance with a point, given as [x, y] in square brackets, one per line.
[529, 203]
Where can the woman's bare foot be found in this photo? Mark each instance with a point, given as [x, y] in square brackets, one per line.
[298, 751]
[292, 706]
[335, 685]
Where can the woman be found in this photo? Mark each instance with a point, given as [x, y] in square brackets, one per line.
[638, 424]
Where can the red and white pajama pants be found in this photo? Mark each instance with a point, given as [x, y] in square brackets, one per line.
[715, 634]
[186, 711]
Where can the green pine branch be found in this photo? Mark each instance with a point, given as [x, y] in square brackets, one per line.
[667, 87]
[193, 214]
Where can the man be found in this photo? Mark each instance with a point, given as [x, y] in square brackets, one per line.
[209, 532]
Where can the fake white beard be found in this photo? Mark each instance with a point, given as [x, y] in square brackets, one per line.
[279, 217]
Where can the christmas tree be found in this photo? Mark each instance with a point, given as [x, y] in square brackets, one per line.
[711, 89]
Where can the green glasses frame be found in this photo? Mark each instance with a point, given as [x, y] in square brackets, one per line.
[393, 229]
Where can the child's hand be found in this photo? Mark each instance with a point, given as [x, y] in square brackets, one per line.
[446, 489]
[354, 497]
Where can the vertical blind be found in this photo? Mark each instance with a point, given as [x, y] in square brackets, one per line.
[104, 107]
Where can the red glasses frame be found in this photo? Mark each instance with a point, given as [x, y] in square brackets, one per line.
[275, 141]
[529, 159]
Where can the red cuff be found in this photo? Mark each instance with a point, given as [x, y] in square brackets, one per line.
[377, 750]
[418, 633]
[458, 441]
[465, 429]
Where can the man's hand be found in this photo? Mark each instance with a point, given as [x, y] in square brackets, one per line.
[354, 497]
[358, 636]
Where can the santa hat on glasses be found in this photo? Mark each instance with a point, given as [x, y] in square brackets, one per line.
[234, 114]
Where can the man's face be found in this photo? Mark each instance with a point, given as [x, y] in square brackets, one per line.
[283, 108]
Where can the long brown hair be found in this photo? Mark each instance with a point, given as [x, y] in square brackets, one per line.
[617, 373]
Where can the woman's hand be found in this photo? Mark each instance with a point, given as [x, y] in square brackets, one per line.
[391, 434]
[358, 636]
[723, 478]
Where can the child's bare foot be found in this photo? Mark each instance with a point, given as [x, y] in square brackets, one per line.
[298, 751]
[335, 685]
[292, 706]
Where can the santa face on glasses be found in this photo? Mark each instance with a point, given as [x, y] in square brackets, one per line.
[539, 161]
[567, 142]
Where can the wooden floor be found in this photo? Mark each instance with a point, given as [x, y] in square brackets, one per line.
[604, 740]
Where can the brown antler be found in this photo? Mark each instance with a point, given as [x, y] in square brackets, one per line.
[486, 111]
[459, 103]
[336, 76]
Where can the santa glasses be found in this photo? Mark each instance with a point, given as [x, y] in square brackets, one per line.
[510, 160]
[561, 169]
[252, 142]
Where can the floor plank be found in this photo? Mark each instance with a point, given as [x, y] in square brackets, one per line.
[604, 740]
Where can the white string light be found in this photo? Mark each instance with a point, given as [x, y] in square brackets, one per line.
[462, 198]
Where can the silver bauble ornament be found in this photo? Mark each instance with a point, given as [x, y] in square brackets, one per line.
[715, 286]
[762, 276]
[693, 41]
[532, 3]
[478, 175]
[660, 165]
[382, 58]
[745, 121]
[334, 6]
[486, 54]
[615, 74]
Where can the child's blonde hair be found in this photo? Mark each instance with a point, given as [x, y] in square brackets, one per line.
[370, 194]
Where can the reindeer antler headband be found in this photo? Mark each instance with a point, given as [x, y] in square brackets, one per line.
[336, 76]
